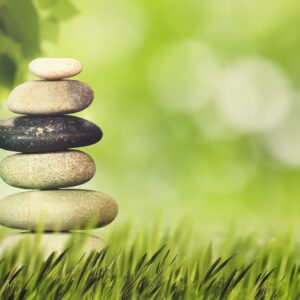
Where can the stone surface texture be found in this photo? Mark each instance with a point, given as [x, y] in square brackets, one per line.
[46, 171]
[50, 98]
[58, 210]
[46, 134]
[55, 68]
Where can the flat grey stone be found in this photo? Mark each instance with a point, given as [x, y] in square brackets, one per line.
[55, 68]
[57, 210]
[50, 98]
[45, 171]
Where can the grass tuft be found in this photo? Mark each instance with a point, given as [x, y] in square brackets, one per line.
[134, 269]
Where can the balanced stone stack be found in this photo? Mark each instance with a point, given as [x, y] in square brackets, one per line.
[44, 136]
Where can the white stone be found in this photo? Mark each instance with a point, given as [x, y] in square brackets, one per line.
[55, 68]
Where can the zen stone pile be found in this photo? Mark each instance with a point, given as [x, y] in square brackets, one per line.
[46, 164]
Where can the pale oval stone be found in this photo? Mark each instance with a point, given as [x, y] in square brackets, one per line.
[57, 210]
[45, 171]
[55, 68]
[50, 98]
[47, 243]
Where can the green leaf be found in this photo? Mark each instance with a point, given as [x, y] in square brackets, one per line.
[64, 10]
[50, 29]
[46, 3]
[10, 47]
[21, 23]
[20, 33]
[8, 70]
[22, 70]
[2, 2]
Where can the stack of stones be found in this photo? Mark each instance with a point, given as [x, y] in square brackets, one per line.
[44, 136]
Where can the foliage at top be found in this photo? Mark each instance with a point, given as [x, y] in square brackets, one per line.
[23, 26]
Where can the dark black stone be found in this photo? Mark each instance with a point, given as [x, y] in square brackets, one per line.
[45, 134]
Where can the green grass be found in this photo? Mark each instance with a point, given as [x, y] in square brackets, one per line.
[156, 264]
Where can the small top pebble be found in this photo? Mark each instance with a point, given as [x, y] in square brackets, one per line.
[55, 68]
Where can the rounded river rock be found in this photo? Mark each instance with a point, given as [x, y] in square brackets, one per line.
[45, 171]
[60, 210]
[55, 68]
[50, 98]
[45, 134]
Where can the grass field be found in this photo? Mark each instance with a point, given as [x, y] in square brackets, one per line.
[153, 264]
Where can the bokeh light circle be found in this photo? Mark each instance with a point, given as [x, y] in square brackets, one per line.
[283, 143]
[183, 76]
[254, 95]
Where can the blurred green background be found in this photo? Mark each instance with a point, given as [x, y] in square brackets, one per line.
[199, 102]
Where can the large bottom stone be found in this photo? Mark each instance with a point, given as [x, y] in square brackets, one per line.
[47, 171]
[47, 243]
[58, 210]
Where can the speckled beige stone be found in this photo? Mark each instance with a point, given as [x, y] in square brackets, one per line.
[55, 68]
[48, 243]
[44, 171]
[57, 210]
[50, 98]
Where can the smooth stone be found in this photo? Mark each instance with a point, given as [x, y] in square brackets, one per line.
[45, 171]
[55, 68]
[57, 210]
[47, 243]
[50, 98]
[45, 134]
